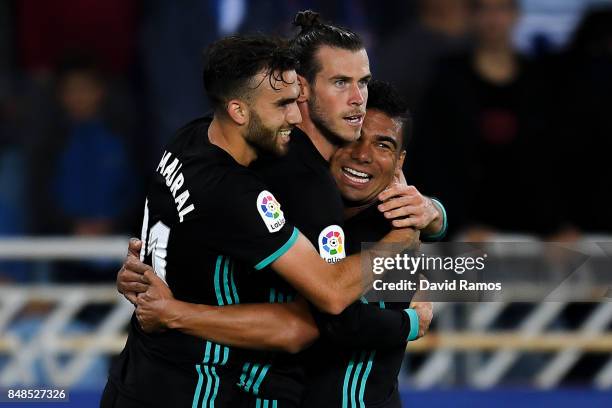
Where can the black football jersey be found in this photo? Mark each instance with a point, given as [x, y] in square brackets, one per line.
[301, 180]
[361, 350]
[207, 221]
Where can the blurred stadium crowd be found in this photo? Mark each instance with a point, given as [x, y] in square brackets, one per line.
[511, 103]
[511, 140]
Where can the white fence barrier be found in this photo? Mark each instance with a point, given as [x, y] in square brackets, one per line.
[535, 333]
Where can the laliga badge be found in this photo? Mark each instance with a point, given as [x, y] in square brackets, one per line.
[331, 244]
[270, 211]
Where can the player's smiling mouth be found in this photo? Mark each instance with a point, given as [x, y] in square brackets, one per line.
[355, 120]
[356, 176]
[284, 135]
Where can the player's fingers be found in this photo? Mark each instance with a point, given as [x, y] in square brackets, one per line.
[134, 246]
[389, 192]
[133, 264]
[134, 287]
[396, 189]
[131, 297]
[404, 223]
[127, 276]
[399, 175]
[150, 277]
[404, 211]
[118, 280]
[397, 202]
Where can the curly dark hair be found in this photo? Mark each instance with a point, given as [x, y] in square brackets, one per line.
[313, 35]
[232, 63]
[385, 97]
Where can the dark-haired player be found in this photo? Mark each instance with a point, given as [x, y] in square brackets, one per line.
[334, 72]
[208, 219]
[363, 348]
[353, 365]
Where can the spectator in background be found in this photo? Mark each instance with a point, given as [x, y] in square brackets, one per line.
[47, 30]
[12, 152]
[481, 125]
[12, 175]
[174, 35]
[584, 101]
[408, 56]
[81, 169]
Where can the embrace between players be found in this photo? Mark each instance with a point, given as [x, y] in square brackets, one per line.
[251, 299]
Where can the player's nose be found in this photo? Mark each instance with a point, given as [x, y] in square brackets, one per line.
[357, 97]
[294, 117]
[361, 153]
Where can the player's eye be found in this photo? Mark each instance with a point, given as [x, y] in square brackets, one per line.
[385, 146]
[340, 83]
[285, 103]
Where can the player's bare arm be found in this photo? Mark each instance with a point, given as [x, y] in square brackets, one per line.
[284, 327]
[332, 287]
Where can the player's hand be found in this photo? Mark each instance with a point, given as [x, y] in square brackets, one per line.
[407, 207]
[425, 312]
[130, 278]
[399, 177]
[152, 305]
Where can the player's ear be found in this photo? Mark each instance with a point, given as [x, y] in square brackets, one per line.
[238, 111]
[304, 89]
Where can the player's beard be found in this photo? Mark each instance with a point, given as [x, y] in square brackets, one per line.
[323, 122]
[262, 138]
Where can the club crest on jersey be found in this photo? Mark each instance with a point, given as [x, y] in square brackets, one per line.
[270, 211]
[331, 244]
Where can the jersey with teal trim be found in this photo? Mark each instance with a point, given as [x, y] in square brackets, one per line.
[361, 350]
[303, 183]
[207, 221]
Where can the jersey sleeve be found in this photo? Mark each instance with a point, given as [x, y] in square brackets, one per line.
[363, 325]
[248, 223]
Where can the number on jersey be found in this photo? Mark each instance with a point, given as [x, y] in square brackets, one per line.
[156, 243]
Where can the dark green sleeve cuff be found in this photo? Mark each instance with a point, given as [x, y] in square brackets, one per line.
[414, 324]
[280, 251]
[440, 234]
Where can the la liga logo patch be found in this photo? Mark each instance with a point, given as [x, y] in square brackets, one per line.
[270, 211]
[331, 244]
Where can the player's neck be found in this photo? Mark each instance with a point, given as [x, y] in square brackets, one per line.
[322, 143]
[228, 138]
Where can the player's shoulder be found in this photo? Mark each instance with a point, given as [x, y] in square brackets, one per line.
[201, 161]
[298, 160]
[191, 142]
[199, 174]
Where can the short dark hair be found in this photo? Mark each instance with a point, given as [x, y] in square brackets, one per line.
[313, 35]
[232, 62]
[386, 98]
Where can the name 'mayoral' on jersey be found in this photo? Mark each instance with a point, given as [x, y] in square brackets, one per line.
[174, 181]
